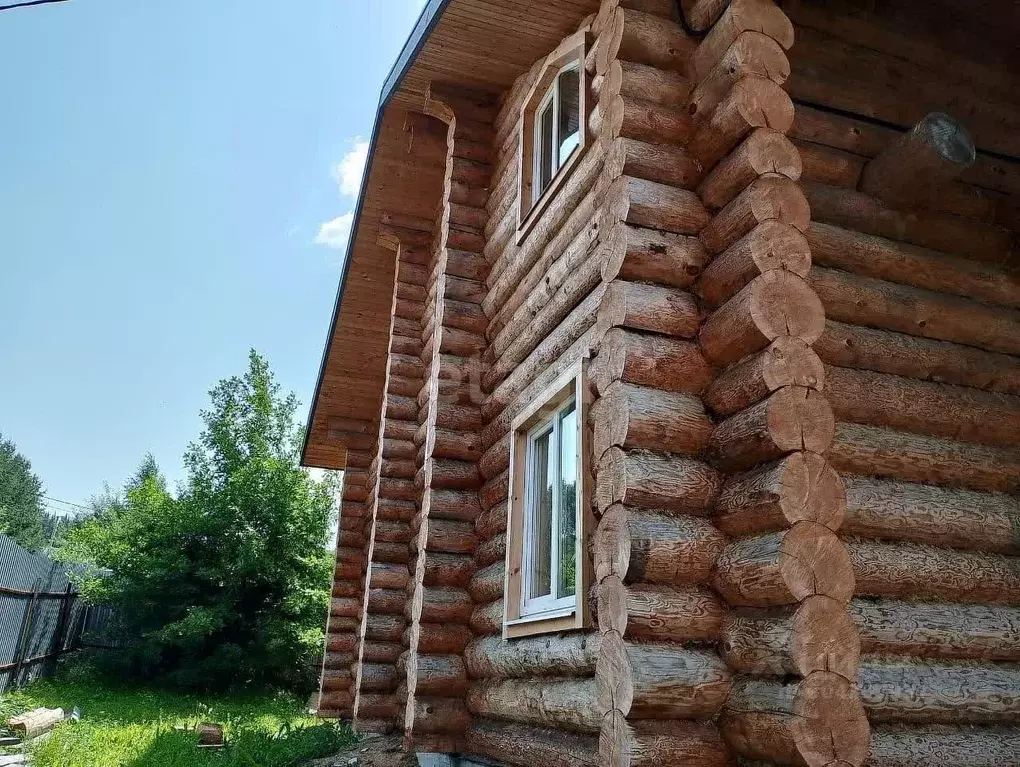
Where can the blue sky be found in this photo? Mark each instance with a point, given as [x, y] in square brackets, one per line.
[174, 179]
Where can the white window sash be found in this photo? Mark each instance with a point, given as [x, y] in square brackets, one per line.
[549, 603]
[553, 160]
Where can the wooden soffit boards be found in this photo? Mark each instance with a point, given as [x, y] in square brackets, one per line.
[476, 43]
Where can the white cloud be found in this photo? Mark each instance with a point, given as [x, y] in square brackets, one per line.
[334, 234]
[348, 174]
[351, 168]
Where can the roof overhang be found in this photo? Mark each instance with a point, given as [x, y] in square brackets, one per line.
[484, 44]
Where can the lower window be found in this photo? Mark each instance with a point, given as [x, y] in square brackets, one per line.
[545, 556]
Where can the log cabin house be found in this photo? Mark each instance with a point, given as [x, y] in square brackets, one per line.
[675, 372]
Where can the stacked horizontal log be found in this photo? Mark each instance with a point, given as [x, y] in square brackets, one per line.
[659, 683]
[439, 605]
[393, 498]
[785, 575]
[339, 664]
[538, 300]
[922, 371]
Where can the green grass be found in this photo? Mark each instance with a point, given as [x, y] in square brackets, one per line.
[126, 725]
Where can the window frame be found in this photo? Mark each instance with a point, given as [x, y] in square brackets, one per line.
[569, 54]
[565, 613]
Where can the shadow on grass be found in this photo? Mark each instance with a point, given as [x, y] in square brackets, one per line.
[134, 725]
[246, 747]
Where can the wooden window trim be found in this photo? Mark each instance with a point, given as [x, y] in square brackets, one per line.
[572, 381]
[572, 49]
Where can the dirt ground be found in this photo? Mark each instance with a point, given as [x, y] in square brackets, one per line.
[373, 751]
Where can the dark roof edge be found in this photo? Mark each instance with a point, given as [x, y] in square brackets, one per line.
[430, 16]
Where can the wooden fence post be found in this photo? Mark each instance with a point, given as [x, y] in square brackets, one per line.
[26, 633]
[60, 634]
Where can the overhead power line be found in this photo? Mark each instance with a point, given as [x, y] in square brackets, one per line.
[27, 3]
[68, 503]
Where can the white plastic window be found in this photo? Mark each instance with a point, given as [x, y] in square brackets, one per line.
[557, 128]
[550, 514]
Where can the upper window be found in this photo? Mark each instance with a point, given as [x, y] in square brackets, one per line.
[553, 128]
[545, 554]
[557, 129]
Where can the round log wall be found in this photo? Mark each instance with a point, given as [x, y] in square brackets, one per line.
[912, 238]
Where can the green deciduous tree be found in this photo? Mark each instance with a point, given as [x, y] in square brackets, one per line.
[226, 581]
[21, 506]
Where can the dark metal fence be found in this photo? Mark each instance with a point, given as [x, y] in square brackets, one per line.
[41, 614]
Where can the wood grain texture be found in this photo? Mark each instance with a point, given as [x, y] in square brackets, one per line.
[914, 571]
[659, 680]
[939, 410]
[926, 359]
[656, 612]
[525, 746]
[639, 417]
[637, 478]
[800, 487]
[920, 746]
[643, 546]
[772, 197]
[859, 449]
[777, 303]
[939, 516]
[918, 312]
[770, 245]
[816, 635]
[650, 743]
[818, 721]
[938, 630]
[787, 361]
[785, 567]
[792, 419]
[886, 259]
[647, 359]
[557, 656]
[569, 704]
[652, 308]
[939, 693]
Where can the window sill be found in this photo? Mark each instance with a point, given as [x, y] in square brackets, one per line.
[543, 623]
